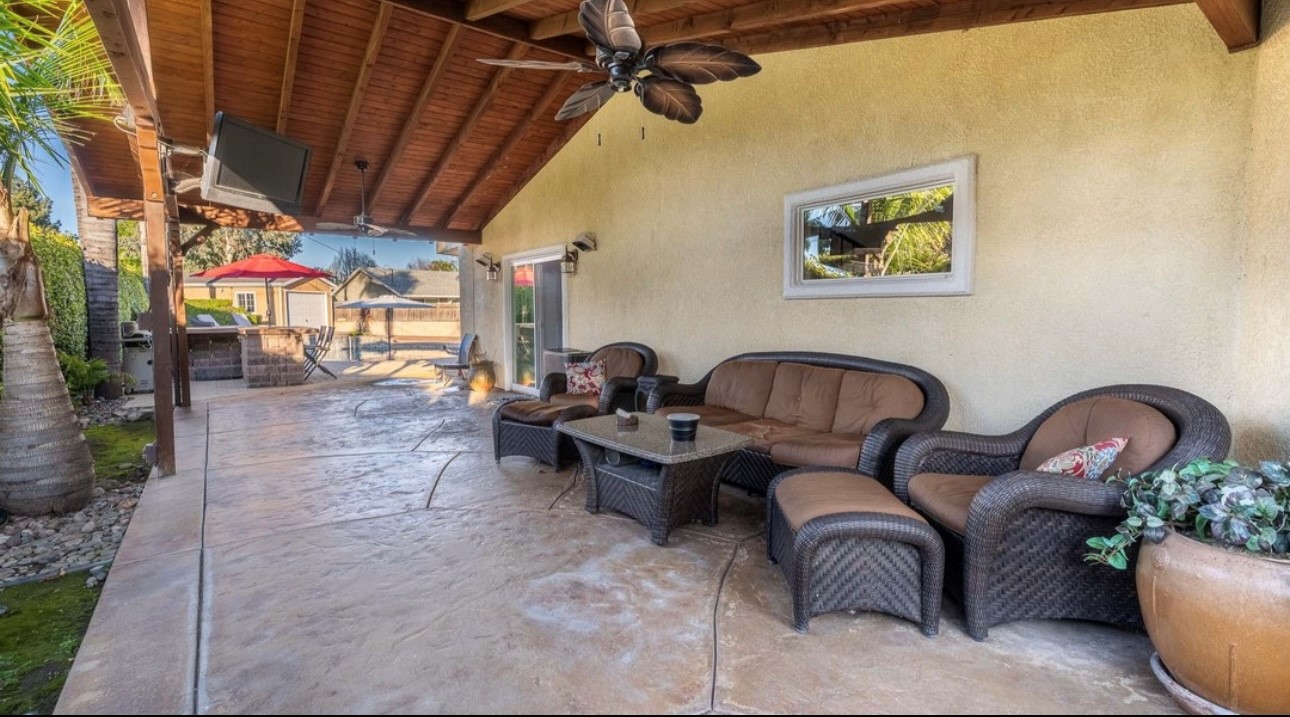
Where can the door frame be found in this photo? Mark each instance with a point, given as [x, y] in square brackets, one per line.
[509, 262]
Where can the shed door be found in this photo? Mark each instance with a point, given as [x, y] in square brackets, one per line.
[306, 308]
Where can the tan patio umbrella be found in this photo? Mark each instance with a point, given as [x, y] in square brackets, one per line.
[389, 302]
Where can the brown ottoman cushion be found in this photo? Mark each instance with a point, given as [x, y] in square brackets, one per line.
[532, 413]
[806, 496]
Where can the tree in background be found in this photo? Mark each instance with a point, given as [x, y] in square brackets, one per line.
[133, 297]
[433, 264]
[347, 260]
[227, 245]
[53, 71]
[40, 209]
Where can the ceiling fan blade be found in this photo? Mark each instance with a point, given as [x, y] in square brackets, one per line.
[391, 232]
[585, 99]
[699, 64]
[673, 99]
[571, 66]
[335, 226]
[609, 25]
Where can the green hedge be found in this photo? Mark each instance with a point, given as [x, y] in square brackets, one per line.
[132, 297]
[62, 264]
[221, 310]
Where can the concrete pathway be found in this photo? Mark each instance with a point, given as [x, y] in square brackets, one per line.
[345, 547]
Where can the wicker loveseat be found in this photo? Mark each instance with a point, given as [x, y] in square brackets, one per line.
[809, 409]
[1014, 537]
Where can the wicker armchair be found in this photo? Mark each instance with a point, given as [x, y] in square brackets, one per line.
[619, 391]
[1019, 554]
[754, 469]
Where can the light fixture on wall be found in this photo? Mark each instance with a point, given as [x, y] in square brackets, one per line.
[586, 241]
[569, 262]
[491, 266]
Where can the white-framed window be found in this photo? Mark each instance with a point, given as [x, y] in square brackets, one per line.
[907, 233]
[245, 300]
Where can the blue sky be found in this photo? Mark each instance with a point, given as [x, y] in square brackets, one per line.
[56, 181]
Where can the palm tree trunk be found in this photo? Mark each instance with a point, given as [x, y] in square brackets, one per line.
[45, 463]
[98, 241]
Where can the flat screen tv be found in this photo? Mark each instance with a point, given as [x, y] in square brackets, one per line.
[252, 168]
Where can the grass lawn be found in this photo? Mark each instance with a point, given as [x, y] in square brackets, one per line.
[44, 622]
[39, 636]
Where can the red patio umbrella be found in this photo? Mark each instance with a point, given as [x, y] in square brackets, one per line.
[263, 266]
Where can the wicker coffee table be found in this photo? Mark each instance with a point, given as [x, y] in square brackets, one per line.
[642, 472]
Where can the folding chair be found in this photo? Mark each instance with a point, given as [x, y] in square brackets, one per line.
[318, 351]
[465, 352]
[241, 320]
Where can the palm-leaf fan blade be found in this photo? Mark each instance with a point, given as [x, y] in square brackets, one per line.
[700, 64]
[585, 99]
[673, 99]
[609, 25]
[571, 66]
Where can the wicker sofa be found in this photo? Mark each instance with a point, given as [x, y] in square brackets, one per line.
[804, 408]
[1014, 538]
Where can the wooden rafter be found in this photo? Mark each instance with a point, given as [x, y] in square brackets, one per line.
[1237, 21]
[480, 9]
[113, 21]
[935, 18]
[567, 23]
[570, 130]
[355, 103]
[753, 17]
[208, 65]
[498, 161]
[500, 26]
[468, 125]
[434, 78]
[289, 62]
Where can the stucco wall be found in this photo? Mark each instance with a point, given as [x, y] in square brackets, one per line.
[1262, 416]
[1111, 161]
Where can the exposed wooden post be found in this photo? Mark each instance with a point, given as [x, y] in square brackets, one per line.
[157, 225]
[98, 241]
[183, 382]
[1237, 21]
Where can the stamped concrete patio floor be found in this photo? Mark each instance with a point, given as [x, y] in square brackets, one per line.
[348, 547]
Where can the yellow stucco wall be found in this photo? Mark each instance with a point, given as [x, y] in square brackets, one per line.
[1263, 359]
[1111, 162]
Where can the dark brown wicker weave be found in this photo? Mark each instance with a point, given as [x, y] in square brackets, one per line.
[544, 443]
[858, 561]
[1022, 555]
[754, 470]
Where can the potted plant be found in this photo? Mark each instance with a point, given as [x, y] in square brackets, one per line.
[1213, 579]
[481, 376]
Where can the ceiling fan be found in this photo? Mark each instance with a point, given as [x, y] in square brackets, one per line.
[362, 223]
[672, 70]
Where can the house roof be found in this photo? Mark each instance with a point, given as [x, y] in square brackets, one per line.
[413, 283]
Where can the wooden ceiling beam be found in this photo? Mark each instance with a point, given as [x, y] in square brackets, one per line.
[468, 125]
[500, 26]
[755, 16]
[480, 9]
[920, 20]
[120, 38]
[289, 62]
[208, 66]
[551, 150]
[355, 103]
[499, 159]
[567, 23]
[413, 122]
[1237, 21]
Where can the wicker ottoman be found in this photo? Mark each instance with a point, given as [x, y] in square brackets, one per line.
[845, 542]
[527, 428]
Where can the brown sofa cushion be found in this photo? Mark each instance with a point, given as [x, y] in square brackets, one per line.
[708, 415]
[619, 362]
[806, 496]
[805, 396]
[534, 413]
[946, 497]
[866, 398]
[569, 399]
[822, 449]
[766, 432]
[1151, 434]
[742, 386]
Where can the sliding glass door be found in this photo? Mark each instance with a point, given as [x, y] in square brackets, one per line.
[536, 316]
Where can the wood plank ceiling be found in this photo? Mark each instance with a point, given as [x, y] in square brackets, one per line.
[450, 140]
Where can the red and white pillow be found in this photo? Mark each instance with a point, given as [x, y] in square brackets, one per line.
[1088, 462]
[584, 379]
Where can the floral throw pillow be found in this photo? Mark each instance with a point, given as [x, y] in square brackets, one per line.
[1088, 462]
[584, 379]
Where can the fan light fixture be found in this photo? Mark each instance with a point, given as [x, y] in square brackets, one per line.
[569, 262]
[492, 267]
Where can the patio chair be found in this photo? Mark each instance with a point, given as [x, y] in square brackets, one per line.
[241, 320]
[315, 354]
[465, 352]
[203, 321]
[1014, 537]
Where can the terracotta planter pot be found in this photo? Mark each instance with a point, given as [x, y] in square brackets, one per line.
[1220, 620]
[481, 376]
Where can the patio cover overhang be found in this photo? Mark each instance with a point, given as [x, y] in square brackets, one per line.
[395, 82]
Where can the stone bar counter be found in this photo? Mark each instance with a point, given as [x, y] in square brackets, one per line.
[273, 355]
[214, 353]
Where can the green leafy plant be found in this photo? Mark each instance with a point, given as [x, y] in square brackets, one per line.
[82, 375]
[1223, 503]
